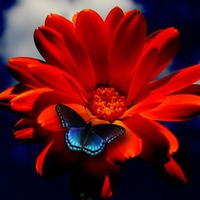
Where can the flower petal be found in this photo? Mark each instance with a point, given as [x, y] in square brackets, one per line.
[167, 48]
[28, 129]
[49, 119]
[156, 55]
[191, 89]
[148, 103]
[25, 101]
[125, 48]
[52, 47]
[173, 82]
[173, 142]
[97, 176]
[175, 108]
[154, 144]
[59, 81]
[142, 73]
[41, 157]
[18, 68]
[55, 158]
[91, 30]
[125, 147]
[106, 189]
[38, 100]
[7, 95]
[24, 134]
[113, 18]
[176, 170]
[82, 66]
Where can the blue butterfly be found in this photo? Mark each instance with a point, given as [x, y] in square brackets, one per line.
[82, 136]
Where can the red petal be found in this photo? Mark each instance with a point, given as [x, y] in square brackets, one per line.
[126, 46]
[173, 142]
[49, 119]
[113, 18]
[25, 101]
[174, 170]
[125, 147]
[59, 81]
[146, 104]
[167, 43]
[106, 190]
[52, 47]
[142, 73]
[173, 82]
[154, 143]
[24, 134]
[39, 99]
[175, 108]
[7, 95]
[18, 67]
[192, 89]
[82, 68]
[28, 128]
[55, 158]
[91, 31]
[41, 157]
[98, 175]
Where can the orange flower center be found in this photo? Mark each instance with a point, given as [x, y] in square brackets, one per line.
[106, 103]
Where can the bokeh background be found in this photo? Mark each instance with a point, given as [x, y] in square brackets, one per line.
[18, 178]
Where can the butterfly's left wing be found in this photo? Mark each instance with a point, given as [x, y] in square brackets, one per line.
[108, 132]
[73, 138]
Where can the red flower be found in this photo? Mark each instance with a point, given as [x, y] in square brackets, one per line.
[105, 71]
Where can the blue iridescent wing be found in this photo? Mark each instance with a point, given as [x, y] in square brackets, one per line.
[73, 139]
[68, 117]
[108, 132]
[77, 140]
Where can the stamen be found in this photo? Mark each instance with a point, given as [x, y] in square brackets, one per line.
[106, 103]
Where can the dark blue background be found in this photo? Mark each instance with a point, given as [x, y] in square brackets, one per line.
[18, 178]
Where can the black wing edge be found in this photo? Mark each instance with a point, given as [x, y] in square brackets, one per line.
[121, 132]
[109, 132]
[58, 110]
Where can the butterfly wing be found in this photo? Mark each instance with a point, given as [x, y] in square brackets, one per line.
[68, 117]
[108, 132]
[94, 145]
[75, 141]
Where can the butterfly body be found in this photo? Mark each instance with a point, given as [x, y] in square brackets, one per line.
[82, 136]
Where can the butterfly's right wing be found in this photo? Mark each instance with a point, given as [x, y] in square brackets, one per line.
[68, 117]
[109, 132]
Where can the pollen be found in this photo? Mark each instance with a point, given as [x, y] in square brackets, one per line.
[106, 103]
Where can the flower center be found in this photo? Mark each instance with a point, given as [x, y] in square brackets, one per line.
[106, 103]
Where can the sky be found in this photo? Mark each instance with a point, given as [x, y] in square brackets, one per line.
[18, 19]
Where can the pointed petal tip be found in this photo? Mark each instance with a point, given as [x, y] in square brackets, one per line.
[41, 158]
[175, 171]
[106, 189]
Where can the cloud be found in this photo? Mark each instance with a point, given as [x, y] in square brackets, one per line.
[26, 16]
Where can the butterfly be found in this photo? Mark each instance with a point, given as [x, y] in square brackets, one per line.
[82, 136]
